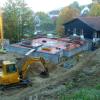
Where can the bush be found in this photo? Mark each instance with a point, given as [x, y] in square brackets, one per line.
[83, 94]
[97, 86]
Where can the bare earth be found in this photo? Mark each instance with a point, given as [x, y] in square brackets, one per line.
[85, 73]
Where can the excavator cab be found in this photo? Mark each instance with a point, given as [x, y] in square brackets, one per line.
[9, 73]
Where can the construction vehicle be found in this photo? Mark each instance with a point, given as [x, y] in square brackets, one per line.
[11, 75]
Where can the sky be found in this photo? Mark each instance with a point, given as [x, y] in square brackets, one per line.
[48, 5]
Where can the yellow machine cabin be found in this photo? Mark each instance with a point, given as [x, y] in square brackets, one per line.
[9, 73]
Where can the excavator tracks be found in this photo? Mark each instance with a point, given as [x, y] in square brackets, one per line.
[22, 84]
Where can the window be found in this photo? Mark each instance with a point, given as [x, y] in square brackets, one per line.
[11, 68]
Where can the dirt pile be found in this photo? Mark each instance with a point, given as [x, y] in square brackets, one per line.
[86, 74]
[87, 70]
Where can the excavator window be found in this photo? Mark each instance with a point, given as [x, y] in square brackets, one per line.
[11, 68]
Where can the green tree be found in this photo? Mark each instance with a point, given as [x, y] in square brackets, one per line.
[75, 5]
[18, 20]
[95, 10]
[66, 14]
[46, 23]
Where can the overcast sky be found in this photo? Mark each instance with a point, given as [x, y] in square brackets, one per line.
[47, 5]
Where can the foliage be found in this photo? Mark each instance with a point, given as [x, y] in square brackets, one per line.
[97, 86]
[47, 26]
[43, 17]
[82, 94]
[46, 23]
[95, 10]
[75, 5]
[18, 20]
[96, 1]
[66, 14]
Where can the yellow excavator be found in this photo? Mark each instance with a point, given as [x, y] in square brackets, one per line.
[10, 75]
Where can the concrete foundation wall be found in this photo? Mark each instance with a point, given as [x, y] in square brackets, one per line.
[72, 52]
[55, 58]
[22, 51]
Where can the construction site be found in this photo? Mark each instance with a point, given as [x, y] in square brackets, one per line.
[46, 68]
[66, 72]
[52, 49]
[50, 64]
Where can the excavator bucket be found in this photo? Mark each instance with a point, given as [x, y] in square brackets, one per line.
[44, 74]
[38, 68]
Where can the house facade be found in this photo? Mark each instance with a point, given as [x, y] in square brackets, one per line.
[87, 26]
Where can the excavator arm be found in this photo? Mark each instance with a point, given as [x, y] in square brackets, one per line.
[29, 61]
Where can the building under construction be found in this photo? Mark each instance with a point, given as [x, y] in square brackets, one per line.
[52, 49]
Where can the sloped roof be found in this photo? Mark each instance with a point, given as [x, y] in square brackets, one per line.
[93, 22]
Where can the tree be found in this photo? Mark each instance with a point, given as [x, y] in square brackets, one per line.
[18, 20]
[65, 15]
[96, 1]
[46, 23]
[75, 5]
[95, 10]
